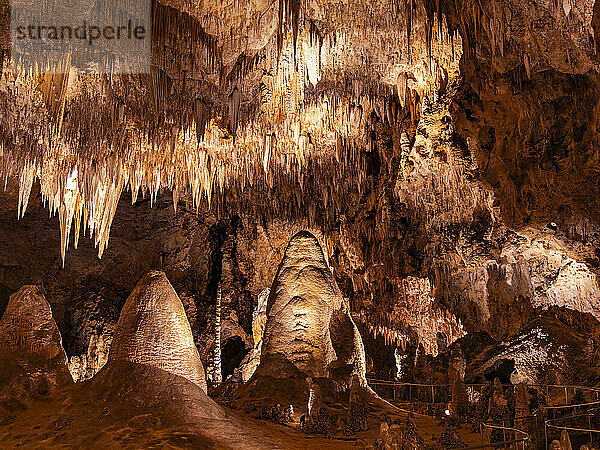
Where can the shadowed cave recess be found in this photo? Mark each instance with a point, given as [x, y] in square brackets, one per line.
[313, 224]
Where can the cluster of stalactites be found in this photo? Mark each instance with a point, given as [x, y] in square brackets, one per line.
[95, 210]
[302, 117]
[493, 21]
[413, 308]
[390, 337]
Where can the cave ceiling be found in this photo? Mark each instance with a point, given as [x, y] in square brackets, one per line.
[388, 113]
[443, 155]
[256, 97]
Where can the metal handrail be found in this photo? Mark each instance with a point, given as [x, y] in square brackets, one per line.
[402, 383]
[525, 436]
[500, 427]
[597, 402]
[589, 415]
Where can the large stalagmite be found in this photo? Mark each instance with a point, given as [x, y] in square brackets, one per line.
[308, 323]
[33, 363]
[153, 329]
[27, 325]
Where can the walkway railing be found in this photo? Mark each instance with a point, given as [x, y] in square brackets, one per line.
[438, 393]
[582, 434]
[521, 438]
[442, 393]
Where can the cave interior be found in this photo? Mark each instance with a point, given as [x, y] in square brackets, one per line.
[308, 224]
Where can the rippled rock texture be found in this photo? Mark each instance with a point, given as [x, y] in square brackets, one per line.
[153, 330]
[28, 325]
[311, 348]
[308, 322]
[33, 363]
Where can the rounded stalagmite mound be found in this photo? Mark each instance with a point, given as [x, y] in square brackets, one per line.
[302, 300]
[153, 329]
[33, 362]
[308, 322]
[27, 326]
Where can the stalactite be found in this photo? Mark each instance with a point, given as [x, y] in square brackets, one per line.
[409, 22]
[54, 88]
[78, 216]
[25, 185]
[149, 134]
[234, 103]
[243, 66]
[66, 213]
[289, 17]
[168, 25]
[527, 64]
[201, 118]
[160, 87]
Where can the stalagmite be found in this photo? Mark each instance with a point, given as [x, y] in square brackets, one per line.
[308, 323]
[27, 325]
[218, 377]
[153, 330]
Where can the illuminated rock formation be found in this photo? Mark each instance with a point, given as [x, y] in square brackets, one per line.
[87, 365]
[415, 312]
[259, 320]
[33, 363]
[308, 323]
[153, 330]
[27, 326]
[537, 268]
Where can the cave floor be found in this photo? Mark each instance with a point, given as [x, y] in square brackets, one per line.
[128, 405]
[45, 426]
[59, 423]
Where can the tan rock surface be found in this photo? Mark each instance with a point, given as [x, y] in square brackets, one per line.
[27, 325]
[307, 319]
[154, 330]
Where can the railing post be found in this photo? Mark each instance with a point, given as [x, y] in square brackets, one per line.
[589, 428]
[432, 395]
[481, 433]
[546, 434]
[566, 396]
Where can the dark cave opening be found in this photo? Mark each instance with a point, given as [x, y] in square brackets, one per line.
[232, 354]
[501, 369]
